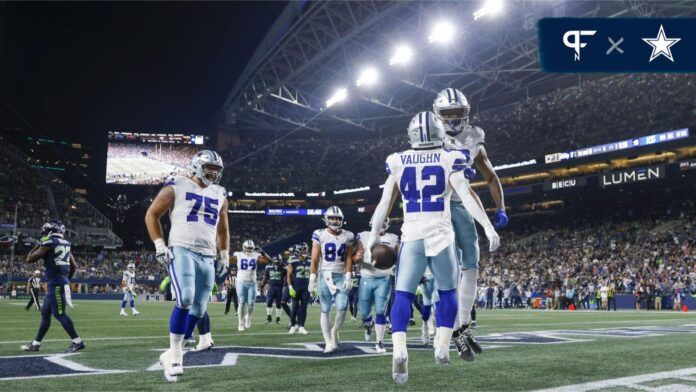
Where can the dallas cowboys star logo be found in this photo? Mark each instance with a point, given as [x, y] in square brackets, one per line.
[661, 45]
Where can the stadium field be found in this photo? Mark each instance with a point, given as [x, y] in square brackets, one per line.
[137, 169]
[525, 350]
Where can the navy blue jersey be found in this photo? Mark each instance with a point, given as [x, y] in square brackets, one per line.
[275, 275]
[57, 260]
[355, 281]
[300, 273]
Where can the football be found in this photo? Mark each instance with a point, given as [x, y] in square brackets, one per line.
[384, 256]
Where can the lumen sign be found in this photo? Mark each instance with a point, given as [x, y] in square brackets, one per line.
[633, 175]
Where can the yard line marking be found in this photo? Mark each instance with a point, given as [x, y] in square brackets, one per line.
[624, 381]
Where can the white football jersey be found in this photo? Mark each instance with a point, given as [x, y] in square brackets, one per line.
[246, 265]
[423, 180]
[333, 249]
[469, 141]
[129, 278]
[366, 268]
[195, 215]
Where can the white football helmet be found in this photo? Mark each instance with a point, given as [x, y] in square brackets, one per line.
[207, 158]
[426, 130]
[248, 246]
[451, 105]
[131, 267]
[333, 212]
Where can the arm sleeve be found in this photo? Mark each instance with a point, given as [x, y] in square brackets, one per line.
[315, 237]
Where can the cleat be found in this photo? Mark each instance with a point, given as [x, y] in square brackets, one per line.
[30, 347]
[442, 356]
[268, 319]
[135, 312]
[470, 334]
[463, 348]
[247, 322]
[172, 367]
[123, 313]
[425, 334]
[400, 368]
[240, 327]
[293, 330]
[204, 346]
[302, 331]
[353, 319]
[369, 330]
[75, 347]
[277, 320]
[329, 347]
[379, 348]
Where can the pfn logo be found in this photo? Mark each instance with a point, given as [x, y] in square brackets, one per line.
[576, 43]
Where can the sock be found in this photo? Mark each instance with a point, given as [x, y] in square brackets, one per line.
[132, 303]
[467, 294]
[325, 322]
[191, 322]
[123, 304]
[203, 325]
[446, 310]
[268, 310]
[176, 340]
[205, 338]
[77, 340]
[401, 311]
[286, 309]
[338, 322]
[425, 311]
[177, 321]
[278, 312]
[442, 338]
[242, 312]
[35, 343]
[399, 344]
[380, 327]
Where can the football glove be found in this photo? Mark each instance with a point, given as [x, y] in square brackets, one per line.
[493, 239]
[292, 291]
[470, 173]
[313, 282]
[501, 219]
[223, 263]
[348, 282]
[162, 254]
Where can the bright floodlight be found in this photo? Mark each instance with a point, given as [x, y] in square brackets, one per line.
[443, 32]
[368, 77]
[490, 7]
[402, 55]
[338, 96]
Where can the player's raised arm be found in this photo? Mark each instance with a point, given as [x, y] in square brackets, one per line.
[484, 165]
[461, 185]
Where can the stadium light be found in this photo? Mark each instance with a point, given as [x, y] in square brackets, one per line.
[490, 7]
[443, 32]
[402, 55]
[338, 96]
[368, 77]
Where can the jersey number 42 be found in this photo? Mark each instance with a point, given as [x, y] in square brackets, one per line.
[421, 200]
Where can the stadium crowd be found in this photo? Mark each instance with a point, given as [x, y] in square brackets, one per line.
[608, 110]
[176, 155]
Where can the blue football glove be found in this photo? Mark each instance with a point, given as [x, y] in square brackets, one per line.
[501, 219]
[469, 173]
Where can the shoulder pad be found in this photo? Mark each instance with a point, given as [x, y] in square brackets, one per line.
[478, 134]
[391, 163]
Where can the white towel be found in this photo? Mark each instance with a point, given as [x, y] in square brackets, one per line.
[68, 295]
[329, 282]
[437, 242]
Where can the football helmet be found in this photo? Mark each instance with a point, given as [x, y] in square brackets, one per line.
[53, 228]
[453, 108]
[426, 130]
[333, 213]
[304, 250]
[207, 158]
[248, 246]
[131, 267]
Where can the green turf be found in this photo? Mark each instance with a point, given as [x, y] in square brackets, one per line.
[127, 343]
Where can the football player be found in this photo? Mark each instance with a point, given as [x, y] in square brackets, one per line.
[273, 275]
[425, 176]
[199, 231]
[453, 108]
[247, 261]
[332, 256]
[60, 268]
[353, 293]
[375, 286]
[128, 285]
[298, 287]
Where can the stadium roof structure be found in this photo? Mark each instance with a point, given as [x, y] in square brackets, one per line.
[317, 48]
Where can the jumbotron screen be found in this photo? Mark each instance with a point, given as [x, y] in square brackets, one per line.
[148, 158]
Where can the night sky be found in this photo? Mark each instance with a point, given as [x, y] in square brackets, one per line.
[81, 69]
